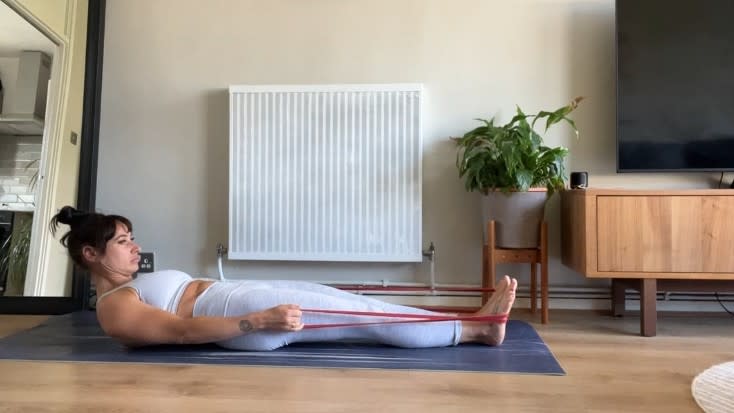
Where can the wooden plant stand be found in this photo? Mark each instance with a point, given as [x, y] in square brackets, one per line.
[492, 255]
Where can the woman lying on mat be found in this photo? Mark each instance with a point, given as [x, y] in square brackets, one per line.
[170, 307]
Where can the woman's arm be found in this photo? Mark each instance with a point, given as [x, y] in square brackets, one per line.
[124, 317]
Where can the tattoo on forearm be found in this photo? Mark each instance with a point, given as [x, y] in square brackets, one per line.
[245, 326]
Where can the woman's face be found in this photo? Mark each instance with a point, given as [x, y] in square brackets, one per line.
[122, 254]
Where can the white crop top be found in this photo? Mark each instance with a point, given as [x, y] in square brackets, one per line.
[161, 289]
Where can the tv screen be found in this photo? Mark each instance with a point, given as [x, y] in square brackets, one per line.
[675, 85]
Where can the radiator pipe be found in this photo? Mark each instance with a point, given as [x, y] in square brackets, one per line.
[221, 250]
[431, 254]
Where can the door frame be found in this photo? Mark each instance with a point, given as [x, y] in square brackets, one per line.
[86, 197]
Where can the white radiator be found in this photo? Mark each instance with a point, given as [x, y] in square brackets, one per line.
[325, 173]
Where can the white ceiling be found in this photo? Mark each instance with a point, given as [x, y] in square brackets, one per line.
[16, 35]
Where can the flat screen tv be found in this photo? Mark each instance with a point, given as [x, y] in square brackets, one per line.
[675, 85]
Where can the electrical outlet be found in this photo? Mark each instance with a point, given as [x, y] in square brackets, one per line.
[147, 262]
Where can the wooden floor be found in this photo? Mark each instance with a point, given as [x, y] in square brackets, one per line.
[609, 369]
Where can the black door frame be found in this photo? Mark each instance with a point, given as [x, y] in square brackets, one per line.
[86, 197]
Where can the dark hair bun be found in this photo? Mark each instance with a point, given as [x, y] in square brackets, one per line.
[70, 216]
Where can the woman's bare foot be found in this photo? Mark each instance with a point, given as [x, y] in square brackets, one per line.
[502, 299]
[500, 302]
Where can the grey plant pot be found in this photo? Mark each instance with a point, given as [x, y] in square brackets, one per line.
[517, 217]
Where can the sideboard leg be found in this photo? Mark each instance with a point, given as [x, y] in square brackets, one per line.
[618, 297]
[648, 310]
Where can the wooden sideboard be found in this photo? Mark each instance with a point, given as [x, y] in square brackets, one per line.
[650, 240]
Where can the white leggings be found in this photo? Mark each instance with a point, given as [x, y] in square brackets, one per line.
[233, 298]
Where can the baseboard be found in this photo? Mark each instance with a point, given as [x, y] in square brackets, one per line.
[577, 298]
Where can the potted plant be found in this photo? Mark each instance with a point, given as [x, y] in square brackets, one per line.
[15, 250]
[515, 171]
[14, 254]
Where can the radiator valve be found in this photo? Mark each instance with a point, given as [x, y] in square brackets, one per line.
[430, 252]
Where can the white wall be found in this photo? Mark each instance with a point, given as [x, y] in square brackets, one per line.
[164, 123]
[19, 157]
[9, 77]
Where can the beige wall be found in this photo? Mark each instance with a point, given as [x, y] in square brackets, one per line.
[67, 177]
[51, 12]
[164, 123]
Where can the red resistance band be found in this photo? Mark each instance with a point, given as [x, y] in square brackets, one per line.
[360, 287]
[407, 318]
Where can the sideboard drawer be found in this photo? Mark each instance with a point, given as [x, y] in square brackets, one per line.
[640, 233]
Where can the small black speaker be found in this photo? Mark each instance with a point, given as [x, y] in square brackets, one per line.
[579, 180]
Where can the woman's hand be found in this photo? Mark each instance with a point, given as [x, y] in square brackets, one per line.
[286, 317]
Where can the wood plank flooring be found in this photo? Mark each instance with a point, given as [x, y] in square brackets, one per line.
[610, 368]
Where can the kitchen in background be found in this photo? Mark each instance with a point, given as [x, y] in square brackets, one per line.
[25, 76]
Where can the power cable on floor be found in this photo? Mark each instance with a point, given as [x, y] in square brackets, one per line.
[723, 306]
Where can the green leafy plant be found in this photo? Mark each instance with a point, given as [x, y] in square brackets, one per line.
[512, 157]
[15, 250]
